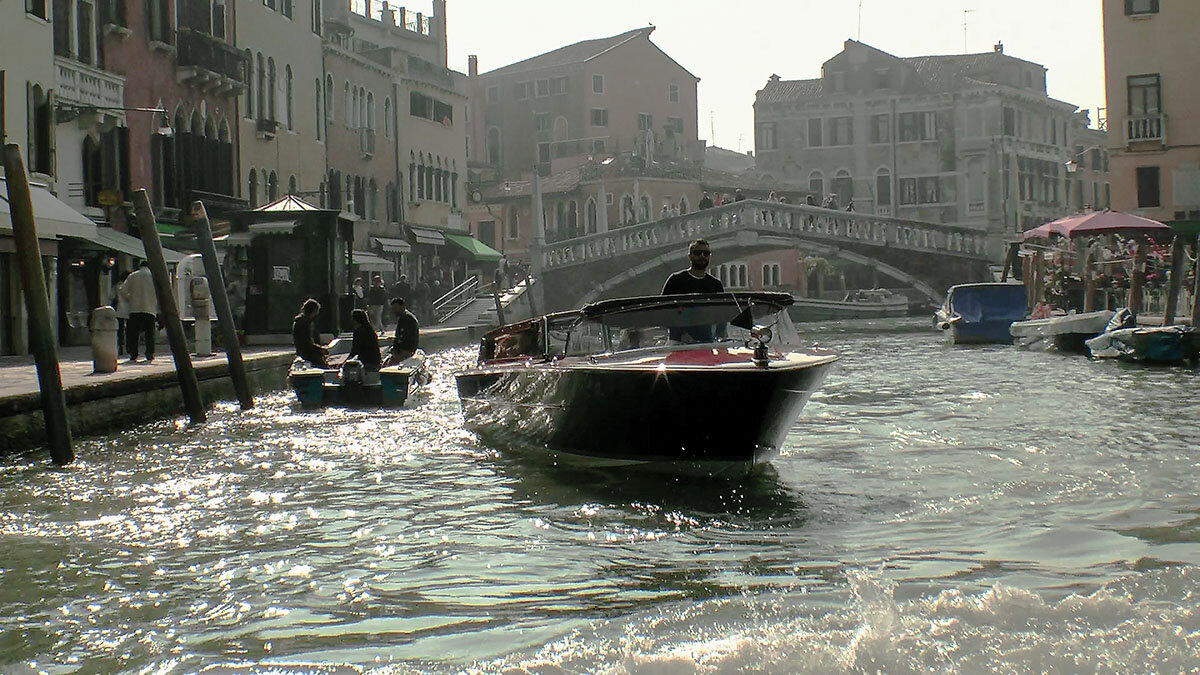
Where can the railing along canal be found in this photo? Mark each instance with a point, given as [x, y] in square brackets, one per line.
[802, 222]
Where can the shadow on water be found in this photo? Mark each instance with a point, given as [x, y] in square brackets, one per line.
[760, 498]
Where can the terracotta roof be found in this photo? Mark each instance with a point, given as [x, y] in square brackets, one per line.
[780, 91]
[574, 53]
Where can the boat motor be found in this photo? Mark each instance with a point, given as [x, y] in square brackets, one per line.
[760, 337]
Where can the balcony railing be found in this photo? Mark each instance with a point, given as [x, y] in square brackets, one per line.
[86, 85]
[265, 127]
[1146, 128]
[205, 53]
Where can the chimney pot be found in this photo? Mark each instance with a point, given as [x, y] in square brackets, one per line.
[472, 65]
[999, 48]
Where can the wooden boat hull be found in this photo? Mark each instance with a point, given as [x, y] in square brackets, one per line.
[814, 309]
[699, 421]
[1166, 344]
[1065, 333]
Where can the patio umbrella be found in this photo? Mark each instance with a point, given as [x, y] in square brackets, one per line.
[1098, 222]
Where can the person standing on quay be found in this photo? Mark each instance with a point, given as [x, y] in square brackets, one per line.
[138, 294]
[122, 308]
[376, 299]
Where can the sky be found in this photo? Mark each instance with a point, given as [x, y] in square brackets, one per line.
[733, 47]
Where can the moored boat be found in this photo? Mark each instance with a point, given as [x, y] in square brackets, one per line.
[352, 385]
[980, 313]
[1067, 333]
[705, 384]
[1125, 340]
[872, 303]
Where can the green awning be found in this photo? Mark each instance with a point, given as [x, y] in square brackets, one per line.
[1185, 226]
[478, 250]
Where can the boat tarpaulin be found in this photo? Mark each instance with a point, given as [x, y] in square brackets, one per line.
[425, 235]
[367, 262]
[389, 245]
[478, 250]
[988, 302]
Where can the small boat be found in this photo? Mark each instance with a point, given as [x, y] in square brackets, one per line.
[871, 303]
[980, 313]
[353, 386]
[1067, 333]
[1125, 340]
[702, 384]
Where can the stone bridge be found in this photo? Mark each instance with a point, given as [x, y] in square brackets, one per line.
[634, 260]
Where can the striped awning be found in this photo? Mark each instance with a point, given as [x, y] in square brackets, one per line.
[388, 245]
[425, 235]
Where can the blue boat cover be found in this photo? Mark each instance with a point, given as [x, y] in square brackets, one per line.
[988, 302]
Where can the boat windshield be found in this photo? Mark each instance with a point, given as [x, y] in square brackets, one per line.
[670, 324]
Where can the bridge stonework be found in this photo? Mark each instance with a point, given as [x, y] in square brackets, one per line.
[636, 259]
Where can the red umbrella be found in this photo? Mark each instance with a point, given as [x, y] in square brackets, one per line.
[1098, 222]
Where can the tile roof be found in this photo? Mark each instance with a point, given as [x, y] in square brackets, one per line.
[288, 203]
[574, 53]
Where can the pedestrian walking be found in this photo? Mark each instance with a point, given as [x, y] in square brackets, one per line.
[122, 313]
[138, 293]
[376, 300]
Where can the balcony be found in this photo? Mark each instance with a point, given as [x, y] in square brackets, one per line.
[209, 64]
[366, 142]
[113, 19]
[87, 86]
[1146, 128]
[265, 128]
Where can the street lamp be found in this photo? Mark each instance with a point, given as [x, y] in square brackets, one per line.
[69, 111]
[1072, 165]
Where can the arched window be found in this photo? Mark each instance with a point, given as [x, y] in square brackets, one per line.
[329, 94]
[843, 187]
[387, 117]
[347, 111]
[592, 216]
[493, 145]
[288, 93]
[371, 111]
[437, 185]
[292, 185]
[816, 183]
[272, 188]
[261, 88]
[271, 89]
[249, 112]
[883, 187]
[421, 179]
[412, 177]
[320, 108]
[560, 129]
[252, 188]
[628, 210]
[353, 116]
[645, 209]
[512, 224]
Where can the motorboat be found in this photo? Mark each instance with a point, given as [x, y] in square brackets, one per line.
[872, 303]
[1066, 333]
[700, 384]
[980, 313]
[1125, 340]
[353, 385]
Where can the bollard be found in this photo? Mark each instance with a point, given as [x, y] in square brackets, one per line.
[103, 324]
[201, 311]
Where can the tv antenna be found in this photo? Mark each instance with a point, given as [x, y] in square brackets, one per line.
[859, 38]
[712, 127]
[966, 12]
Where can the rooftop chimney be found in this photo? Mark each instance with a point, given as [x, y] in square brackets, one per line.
[999, 48]
[472, 65]
[387, 15]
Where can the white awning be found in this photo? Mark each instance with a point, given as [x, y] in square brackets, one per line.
[393, 245]
[234, 239]
[424, 235]
[52, 216]
[372, 263]
[274, 227]
[123, 243]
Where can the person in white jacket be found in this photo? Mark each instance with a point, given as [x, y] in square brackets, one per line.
[122, 308]
[138, 294]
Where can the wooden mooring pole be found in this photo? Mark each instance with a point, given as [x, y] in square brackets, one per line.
[1137, 280]
[33, 282]
[1089, 283]
[144, 214]
[1196, 288]
[220, 298]
[499, 305]
[1178, 267]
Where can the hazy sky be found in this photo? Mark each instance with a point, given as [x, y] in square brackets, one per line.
[733, 47]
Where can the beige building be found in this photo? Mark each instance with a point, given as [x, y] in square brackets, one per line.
[614, 95]
[1150, 60]
[282, 134]
[969, 139]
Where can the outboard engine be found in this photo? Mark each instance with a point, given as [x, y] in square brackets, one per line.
[353, 372]
[1122, 319]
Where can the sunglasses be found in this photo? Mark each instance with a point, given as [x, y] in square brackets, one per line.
[703, 253]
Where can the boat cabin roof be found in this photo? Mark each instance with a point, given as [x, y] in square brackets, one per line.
[603, 307]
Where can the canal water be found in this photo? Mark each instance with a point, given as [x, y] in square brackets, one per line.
[936, 508]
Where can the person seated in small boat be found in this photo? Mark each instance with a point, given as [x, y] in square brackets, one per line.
[407, 339]
[364, 344]
[524, 343]
[304, 335]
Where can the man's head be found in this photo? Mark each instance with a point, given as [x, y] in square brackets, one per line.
[398, 305]
[310, 307]
[377, 281]
[403, 277]
[699, 254]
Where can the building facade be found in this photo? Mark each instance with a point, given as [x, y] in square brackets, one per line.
[969, 139]
[614, 95]
[1150, 61]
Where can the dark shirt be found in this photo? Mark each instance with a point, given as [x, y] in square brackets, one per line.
[408, 333]
[377, 295]
[305, 339]
[365, 345]
[683, 282]
[402, 290]
[706, 202]
[739, 197]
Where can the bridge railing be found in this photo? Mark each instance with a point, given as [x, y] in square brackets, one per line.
[804, 222]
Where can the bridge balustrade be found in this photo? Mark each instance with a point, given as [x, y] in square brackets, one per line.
[803, 222]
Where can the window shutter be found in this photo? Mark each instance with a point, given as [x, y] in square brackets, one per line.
[30, 127]
[51, 127]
